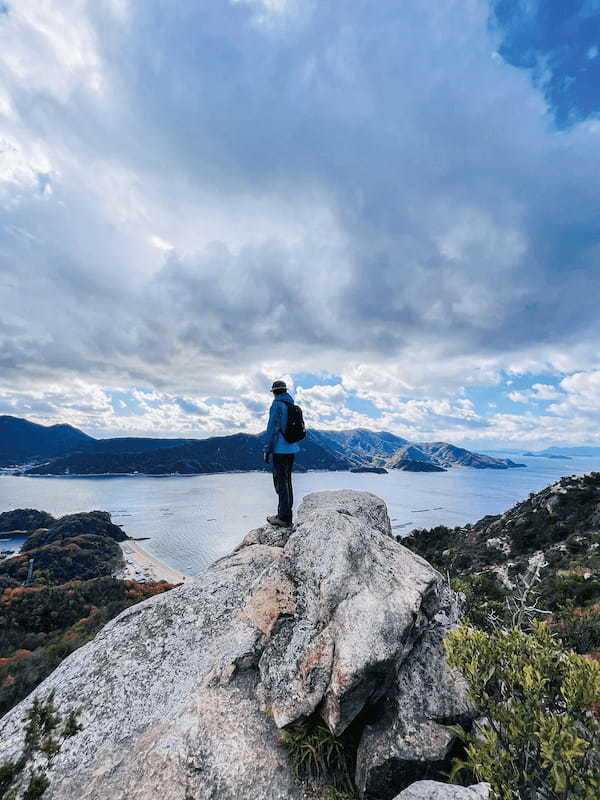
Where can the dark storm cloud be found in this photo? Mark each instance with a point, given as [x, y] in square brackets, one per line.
[448, 212]
[400, 117]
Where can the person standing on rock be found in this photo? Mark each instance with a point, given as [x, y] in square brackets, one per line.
[284, 431]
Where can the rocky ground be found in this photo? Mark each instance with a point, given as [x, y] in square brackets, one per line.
[554, 534]
[332, 626]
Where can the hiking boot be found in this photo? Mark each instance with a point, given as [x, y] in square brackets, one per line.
[279, 523]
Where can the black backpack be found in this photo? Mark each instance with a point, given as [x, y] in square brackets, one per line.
[294, 429]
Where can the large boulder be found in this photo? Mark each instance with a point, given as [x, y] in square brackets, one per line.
[184, 695]
[357, 601]
[411, 729]
[161, 709]
[432, 790]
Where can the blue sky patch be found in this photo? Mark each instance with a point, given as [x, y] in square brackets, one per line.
[124, 404]
[491, 400]
[558, 41]
[363, 406]
[309, 379]
[189, 407]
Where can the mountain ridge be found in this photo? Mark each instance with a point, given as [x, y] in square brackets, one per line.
[240, 452]
[80, 454]
[22, 440]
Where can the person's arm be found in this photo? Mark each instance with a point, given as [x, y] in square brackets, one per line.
[273, 427]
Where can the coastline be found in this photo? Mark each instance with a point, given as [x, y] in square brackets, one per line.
[96, 475]
[165, 474]
[141, 566]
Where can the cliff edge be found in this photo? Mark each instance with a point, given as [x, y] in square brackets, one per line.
[185, 695]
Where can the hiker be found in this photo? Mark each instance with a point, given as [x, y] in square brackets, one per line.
[284, 430]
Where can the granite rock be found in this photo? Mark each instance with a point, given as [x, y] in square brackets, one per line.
[432, 790]
[185, 694]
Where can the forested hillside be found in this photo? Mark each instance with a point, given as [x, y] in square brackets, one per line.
[71, 595]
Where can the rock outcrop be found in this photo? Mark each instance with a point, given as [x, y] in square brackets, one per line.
[411, 729]
[24, 520]
[75, 547]
[185, 694]
[551, 539]
[87, 523]
[431, 790]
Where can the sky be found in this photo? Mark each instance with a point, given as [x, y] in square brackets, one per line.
[393, 206]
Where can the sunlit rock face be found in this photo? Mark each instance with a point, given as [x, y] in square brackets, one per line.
[185, 694]
[431, 790]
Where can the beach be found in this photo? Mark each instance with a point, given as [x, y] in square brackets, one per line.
[141, 566]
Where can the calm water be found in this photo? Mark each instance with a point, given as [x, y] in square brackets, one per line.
[193, 520]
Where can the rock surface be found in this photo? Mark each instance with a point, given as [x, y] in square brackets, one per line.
[410, 730]
[431, 790]
[184, 695]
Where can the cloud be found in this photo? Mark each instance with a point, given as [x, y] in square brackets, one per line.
[582, 395]
[539, 392]
[197, 201]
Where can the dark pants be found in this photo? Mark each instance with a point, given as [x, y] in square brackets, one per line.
[282, 478]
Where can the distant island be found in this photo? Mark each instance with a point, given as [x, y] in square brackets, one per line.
[34, 449]
[373, 470]
[547, 455]
[585, 451]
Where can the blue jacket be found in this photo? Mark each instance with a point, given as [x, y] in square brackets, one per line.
[275, 440]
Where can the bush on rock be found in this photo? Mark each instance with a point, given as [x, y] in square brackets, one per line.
[538, 737]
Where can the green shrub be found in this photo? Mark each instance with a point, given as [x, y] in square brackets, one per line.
[42, 720]
[36, 788]
[484, 597]
[578, 628]
[540, 738]
[318, 755]
[562, 589]
[71, 725]
[41, 737]
[333, 793]
[8, 772]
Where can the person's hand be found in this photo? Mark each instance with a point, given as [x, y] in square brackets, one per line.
[266, 458]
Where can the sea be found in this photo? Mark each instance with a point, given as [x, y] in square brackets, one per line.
[189, 521]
